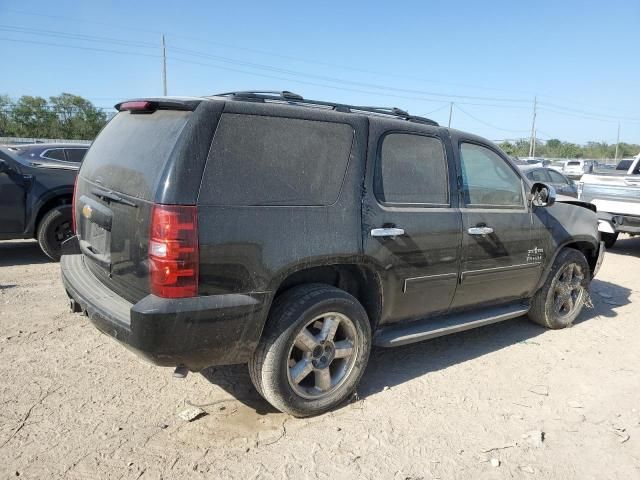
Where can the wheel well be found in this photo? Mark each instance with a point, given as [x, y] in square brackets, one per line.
[590, 253]
[65, 199]
[359, 281]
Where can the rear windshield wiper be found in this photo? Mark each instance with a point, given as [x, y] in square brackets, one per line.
[112, 197]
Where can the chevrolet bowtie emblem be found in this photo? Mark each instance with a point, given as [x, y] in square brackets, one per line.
[87, 211]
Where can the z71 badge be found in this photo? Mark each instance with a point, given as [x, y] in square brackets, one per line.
[535, 255]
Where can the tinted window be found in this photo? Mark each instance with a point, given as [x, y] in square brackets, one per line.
[54, 154]
[130, 153]
[624, 165]
[260, 160]
[75, 154]
[538, 176]
[573, 164]
[412, 169]
[556, 177]
[487, 179]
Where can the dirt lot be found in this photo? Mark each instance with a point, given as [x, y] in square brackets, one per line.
[74, 404]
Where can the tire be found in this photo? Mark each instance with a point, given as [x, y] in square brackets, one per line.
[609, 239]
[313, 351]
[568, 279]
[55, 228]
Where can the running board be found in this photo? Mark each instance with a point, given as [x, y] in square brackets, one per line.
[402, 334]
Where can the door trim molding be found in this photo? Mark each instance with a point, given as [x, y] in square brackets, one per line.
[520, 266]
[415, 281]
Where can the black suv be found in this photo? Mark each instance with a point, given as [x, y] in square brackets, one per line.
[291, 234]
[36, 188]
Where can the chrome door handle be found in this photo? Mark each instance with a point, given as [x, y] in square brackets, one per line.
[387, 232]
[480, 230]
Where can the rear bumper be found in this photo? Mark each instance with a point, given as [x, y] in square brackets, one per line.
[195, 332]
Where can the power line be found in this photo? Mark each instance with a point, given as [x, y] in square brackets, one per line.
[485, 123]
[338, 80]
[75, 36]
[264, 52]
[614, 117]
[78, 47]
[290, 57]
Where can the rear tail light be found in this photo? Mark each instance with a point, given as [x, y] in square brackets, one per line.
[173, 251]
[73, 206]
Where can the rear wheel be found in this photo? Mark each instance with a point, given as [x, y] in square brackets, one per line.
[313, 352]
[560, 300]
[609, 239]
[55, 227]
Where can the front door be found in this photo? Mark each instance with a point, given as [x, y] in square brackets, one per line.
[411, 224]
[12, 199]
[500, 261]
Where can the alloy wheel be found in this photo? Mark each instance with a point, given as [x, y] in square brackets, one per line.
[322, 355]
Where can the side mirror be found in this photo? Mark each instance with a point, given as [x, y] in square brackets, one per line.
[542, 195]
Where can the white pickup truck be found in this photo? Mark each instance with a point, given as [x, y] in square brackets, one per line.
[616, 195]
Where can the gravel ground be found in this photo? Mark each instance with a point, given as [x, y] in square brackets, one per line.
[510, 400]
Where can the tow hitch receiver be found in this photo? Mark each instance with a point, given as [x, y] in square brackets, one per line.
[180, 372]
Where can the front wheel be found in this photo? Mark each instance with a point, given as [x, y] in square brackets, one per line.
[313, 352]
[560, 300]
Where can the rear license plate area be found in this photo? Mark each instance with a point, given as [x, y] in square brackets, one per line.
[98, 240]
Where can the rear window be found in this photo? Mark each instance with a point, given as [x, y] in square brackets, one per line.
[130, 153]
[573, 164]
[260, 160]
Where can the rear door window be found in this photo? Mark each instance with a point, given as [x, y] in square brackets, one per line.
[538, 176]
[412, 169]
[75, 154]
[54, 154]
[557, 178]
[261, 160]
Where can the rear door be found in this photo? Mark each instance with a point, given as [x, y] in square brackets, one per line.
[411, 223]
[12, 198]
[498, 260]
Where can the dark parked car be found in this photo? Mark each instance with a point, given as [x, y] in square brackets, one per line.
[562, 184]
[292, 235]
[36, 188]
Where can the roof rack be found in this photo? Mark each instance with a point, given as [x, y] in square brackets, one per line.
[291, 98]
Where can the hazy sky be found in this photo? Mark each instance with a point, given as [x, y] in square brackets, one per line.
[581, 58]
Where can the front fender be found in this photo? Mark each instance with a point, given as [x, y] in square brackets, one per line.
[570, 225]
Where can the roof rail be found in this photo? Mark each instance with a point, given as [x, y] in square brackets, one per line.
[295, 99]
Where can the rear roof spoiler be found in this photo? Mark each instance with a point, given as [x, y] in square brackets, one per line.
[150, 105]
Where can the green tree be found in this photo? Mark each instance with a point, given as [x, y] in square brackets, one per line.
[6, 124]
[32, 117]
[77, 118]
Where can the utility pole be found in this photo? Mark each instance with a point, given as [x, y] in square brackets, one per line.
[533, 154]
[615, 159]
[164, 67]
[450, 113]
[532, 142]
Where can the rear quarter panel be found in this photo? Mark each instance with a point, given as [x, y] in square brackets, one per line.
[254, 248]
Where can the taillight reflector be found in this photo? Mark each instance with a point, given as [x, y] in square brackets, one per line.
[173, 251]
